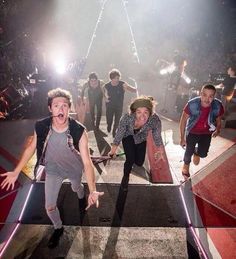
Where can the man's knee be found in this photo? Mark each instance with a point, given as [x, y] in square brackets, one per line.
[129, 163]
[203, 155]
[50, 208]
[202, 152]
[128, 167]
[139, 163]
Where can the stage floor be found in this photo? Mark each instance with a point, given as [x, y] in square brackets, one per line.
[151, 216]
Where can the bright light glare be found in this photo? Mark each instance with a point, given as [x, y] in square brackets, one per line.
[186, 78]
[167, 70]
[58, 60]
[60, 66]
[163, 72]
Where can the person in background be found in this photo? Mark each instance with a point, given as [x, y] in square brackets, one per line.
[228, 87]
[94, 87]
[114, 98]
[180, 82]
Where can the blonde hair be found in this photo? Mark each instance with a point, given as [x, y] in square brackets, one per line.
[58, 92]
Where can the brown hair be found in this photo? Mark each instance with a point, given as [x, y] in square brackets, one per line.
[93, 75]
[233, 67]
[209, 87]
[142, 101]
[113, 73]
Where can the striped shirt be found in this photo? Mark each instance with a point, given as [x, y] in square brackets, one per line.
[126, 128]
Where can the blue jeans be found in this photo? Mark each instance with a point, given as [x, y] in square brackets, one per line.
[53, 185]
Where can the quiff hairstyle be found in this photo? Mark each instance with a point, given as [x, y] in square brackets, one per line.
[58, 92]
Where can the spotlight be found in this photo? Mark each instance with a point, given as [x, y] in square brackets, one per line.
[58, 60]
[163, 71]
[60, 66]
[186, 78]
[168, 70]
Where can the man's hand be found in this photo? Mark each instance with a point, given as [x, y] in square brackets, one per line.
[93, 199]
[215, 133]
[182, 143]
[9, 181]
[112, 155]
[159, 155]
[2, 116]
[112, 152]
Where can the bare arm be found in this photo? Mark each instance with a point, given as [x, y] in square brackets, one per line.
[11, 177]
[219, 86]
[89, 171]
[82, 91]
[113, 150]
[105, 94]
[156, 136]
[218, 127]
[87, 162]
[182, 126]
[160, 154]
[129, 88]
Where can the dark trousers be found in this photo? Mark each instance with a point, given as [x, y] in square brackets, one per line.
[202, 141]
[112, 112]
[134, 153]
[98, 104]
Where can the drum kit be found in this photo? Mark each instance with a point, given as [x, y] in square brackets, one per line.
[16, 100]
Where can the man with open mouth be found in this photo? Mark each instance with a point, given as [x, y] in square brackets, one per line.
[62, 147]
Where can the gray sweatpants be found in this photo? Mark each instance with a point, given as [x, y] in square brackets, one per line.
[53, 183]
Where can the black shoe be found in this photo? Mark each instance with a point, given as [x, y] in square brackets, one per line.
[108, 129]
[55, 238]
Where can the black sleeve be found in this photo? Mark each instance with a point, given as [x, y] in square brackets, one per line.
[228, 86]
[76, 131]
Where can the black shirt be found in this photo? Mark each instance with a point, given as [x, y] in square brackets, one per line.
[229, 84]
[115, 94]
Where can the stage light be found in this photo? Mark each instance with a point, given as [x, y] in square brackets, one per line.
[163, 71]
[60, 66]
[186, 78]
[58, 60]
[168, 70]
